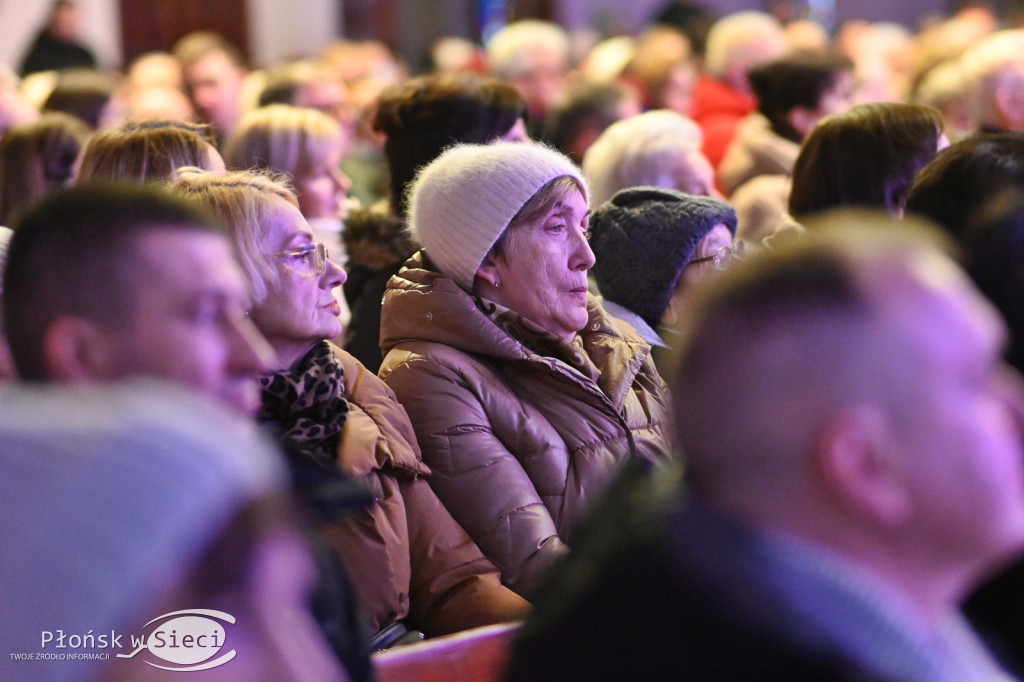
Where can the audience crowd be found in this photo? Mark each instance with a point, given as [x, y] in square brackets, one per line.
[695, 352]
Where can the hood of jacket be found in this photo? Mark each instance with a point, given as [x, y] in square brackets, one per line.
[424, 305]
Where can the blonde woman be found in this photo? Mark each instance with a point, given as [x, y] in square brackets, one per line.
[409, 560]
[307, 145]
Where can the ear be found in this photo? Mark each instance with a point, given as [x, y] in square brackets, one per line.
[859, 466]
[1009, 100]
[488, 271]
[802, 120]
[77, 350]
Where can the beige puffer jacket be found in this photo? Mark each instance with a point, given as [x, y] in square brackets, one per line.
[519, 444]
[406, 555]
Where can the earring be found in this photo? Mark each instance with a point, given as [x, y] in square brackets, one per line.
[497, 284]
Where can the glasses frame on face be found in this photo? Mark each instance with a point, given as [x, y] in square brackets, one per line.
[723, 257]
[319, 251]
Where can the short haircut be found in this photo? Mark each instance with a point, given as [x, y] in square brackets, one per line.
[810, 319]
[587, 105]
[731, 37]
[36, 158]
[509, 50]
[424, 116]
[245, 202]
[867, 156]
[197, 45]
[284, 83]
[795, 80]
[964, 176]
[282, 138]
[84, 93]
[73, 254]
[149, 151]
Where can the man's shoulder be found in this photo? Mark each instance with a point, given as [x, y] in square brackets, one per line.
[674, 601]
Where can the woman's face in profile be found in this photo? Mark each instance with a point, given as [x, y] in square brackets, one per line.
[543, 274]
[299, 309]
[322, 190]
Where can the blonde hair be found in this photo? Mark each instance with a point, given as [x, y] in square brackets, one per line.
[510, 49]
[646, 149]
[732, 38]
[283, 138]
[146, 152]
[984, 66]
[246, 203]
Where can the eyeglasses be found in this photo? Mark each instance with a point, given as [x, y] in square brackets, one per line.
[311, 256]
[723, 257]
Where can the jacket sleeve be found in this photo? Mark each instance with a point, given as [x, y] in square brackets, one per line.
[453, 586]
[474, 472]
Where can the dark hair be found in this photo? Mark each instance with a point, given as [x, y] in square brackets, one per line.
[867, 156]
[586, 106]
[36, 158]
[691, 18]
[993, 244]
[83, 93]
[71, 254]
[426, 115]
[963, 177]
[799, 79]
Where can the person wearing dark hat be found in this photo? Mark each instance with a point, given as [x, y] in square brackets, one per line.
[650, 243]
[526, 396]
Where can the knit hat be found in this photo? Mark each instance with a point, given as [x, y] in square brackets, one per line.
[464, 199]
[109, 496]
[642, 239]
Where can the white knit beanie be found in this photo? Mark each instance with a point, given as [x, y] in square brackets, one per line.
[464, 199]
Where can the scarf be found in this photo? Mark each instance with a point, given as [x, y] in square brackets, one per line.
[307, 405]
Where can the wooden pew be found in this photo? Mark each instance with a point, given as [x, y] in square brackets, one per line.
[477, 655]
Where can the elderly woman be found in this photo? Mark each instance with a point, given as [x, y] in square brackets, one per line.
[657, 149]
[652, 245]
[525, 395]
[307, 145]
[409, 560]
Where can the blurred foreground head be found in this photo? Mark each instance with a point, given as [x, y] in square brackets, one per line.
[125, 504]
[850, 389]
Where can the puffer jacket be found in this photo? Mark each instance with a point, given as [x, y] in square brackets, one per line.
[406, 555]
[519, 444]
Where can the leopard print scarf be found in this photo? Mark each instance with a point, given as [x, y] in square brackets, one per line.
[307, 405]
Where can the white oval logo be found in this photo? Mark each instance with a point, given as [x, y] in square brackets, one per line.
[186, 640]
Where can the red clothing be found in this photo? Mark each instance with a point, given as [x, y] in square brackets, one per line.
[718, 110]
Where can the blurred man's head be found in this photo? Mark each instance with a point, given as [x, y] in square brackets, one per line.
[105, 282]
[214, 73]
[850, 389]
